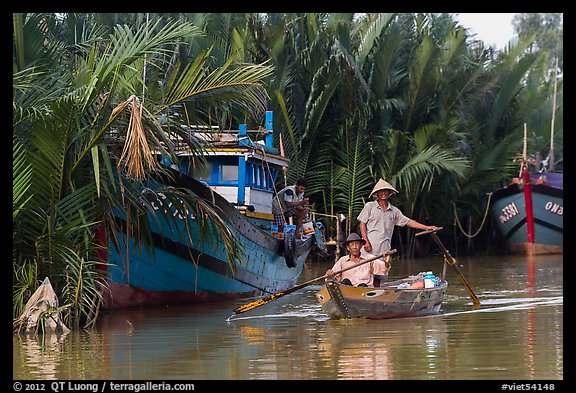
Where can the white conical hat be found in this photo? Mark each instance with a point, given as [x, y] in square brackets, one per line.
[382, 185]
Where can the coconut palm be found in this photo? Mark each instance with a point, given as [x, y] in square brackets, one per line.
[339, 87]
[93, 119]
[437, 112]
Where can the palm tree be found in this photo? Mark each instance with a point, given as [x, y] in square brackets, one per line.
[431, 112]
[92, 118]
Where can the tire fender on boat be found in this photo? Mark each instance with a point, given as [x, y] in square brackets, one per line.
[290, 249]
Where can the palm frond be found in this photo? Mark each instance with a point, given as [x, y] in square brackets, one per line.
[25, 283]
[355, 182]
[419, 172]
[84, 287]
[22, 178]
[137, 156]
[368, 39]
[241, 84]
[33, 90]
[510, 86]
[422, 74]
[387, 68]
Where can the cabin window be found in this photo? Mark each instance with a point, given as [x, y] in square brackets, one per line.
[255, 176]
[258, 176]
[259, 182]
[251, 174]
[203, 171]
[229, 172]
[267, 180]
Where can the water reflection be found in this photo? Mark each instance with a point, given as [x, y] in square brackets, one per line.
[76, 355]
[383, 344]
[40, 354]
[517, 333]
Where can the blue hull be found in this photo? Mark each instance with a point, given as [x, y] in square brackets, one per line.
[190, 270]
[508, 209]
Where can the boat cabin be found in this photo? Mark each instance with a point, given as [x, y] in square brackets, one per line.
[241, 165]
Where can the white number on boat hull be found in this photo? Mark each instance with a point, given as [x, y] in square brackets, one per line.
[508, 212]
[511, 210]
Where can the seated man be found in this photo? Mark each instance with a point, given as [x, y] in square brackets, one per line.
[362, 276]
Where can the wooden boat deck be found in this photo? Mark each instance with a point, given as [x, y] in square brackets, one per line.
[388, 301]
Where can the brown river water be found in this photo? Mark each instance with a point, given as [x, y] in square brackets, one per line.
[515, 335]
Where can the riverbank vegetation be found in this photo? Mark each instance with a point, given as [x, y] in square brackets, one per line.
[411, 98]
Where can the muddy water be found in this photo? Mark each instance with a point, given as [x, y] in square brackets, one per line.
[516, 334]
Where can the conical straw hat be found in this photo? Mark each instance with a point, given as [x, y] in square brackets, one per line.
[382, 185]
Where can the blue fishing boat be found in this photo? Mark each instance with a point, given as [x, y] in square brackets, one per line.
[529, 213]
[238, 181]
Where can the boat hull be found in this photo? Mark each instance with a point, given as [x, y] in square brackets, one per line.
[508, 209]
[191, 269]
[343, 301]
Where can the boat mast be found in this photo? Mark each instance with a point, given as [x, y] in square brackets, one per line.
[551, 153]
[524, 160]
[527, 190]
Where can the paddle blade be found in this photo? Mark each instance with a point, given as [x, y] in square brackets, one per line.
[274, 296]
[463, 281]
[258, 303]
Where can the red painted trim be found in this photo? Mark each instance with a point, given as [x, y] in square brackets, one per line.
[528, 203]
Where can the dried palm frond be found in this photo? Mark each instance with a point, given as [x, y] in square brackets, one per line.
[137, 157]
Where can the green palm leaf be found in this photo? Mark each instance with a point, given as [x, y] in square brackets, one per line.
[241, 84]
[419, 171]
[369, 38]
[22, 178]
[355, 181]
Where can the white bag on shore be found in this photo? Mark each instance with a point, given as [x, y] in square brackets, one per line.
[44, 299]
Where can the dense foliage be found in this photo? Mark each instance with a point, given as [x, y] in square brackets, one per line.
[411, 98]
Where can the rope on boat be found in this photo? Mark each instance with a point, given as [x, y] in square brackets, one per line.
[256, 146]
[483, 219]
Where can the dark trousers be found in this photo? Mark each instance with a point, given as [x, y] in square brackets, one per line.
[347, 281]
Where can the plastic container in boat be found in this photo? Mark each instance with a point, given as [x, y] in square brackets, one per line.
[429, 281]
[308, 228]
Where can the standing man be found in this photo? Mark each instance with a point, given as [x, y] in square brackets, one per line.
[290, 202]
[378, 218]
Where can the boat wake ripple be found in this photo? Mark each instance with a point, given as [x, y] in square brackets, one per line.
[300, 314]
[497, 305]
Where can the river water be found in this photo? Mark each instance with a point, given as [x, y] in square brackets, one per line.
[516, 334]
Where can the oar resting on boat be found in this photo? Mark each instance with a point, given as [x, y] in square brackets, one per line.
[448, 259]
[408, 297]
[274, 296]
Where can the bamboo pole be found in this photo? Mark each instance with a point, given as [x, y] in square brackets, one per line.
[551, 153]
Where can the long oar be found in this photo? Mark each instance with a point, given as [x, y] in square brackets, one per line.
[452, 262]
[274, 296]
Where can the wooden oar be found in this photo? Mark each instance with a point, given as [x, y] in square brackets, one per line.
[452, 262]
[274, 296]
